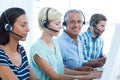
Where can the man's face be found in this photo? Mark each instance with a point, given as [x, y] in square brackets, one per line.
[74, 24]
[100, 28]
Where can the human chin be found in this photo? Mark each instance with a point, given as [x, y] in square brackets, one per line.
[56, 34]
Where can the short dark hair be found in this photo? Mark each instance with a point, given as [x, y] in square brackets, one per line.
[12, 14]
[96, 18]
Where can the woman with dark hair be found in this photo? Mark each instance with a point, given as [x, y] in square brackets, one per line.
[13, 59]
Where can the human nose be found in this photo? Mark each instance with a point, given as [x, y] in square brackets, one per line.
[103, 29]
[27, 28]
[60, 27]
[78, 23]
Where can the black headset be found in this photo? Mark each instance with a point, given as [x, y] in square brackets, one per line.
[8, 26]
[46, 22]
[64, 22]
[94, 24]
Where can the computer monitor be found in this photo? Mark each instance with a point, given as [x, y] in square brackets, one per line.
[111, 69]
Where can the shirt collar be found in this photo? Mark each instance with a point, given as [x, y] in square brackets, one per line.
[68, 38]
[90, 33]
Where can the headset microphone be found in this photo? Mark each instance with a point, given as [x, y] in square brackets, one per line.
[46, 22]
[9, 28]
[52, 29]
[95, 26]
[16, 34]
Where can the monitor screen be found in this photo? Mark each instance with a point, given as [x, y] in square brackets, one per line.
[111, 69]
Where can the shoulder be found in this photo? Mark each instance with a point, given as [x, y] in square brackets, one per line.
[2, 53]
[37, 48]
[82, 35]
[3, 57]
[21, 47]
[36, 45]
[100, 39]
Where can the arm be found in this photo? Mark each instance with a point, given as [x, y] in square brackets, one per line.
[96, 62]
[32, 75]
[102, 59]
[84, 68]
[7, 74]
[73, 72]
[84, 75]
[93, 64]
[44, 65]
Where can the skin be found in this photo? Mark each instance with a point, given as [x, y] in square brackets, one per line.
[47, 36]
[74, 25]
[98, 31]
[21, 28]
[100, 28]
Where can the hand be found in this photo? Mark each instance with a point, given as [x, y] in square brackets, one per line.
[95, 75]
[85, 68]
[103, 59]
[96, 64]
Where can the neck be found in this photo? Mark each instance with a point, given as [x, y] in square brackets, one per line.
[93, 33]
[74, 37]
[46, 38]
[11, 47]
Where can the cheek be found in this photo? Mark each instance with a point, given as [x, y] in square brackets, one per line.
[80, 28]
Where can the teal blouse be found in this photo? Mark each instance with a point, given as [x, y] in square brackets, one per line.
[54, 59]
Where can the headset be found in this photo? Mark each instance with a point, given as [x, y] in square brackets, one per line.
[46, 22]
[94, 24]
[8, 26]
[64, 22]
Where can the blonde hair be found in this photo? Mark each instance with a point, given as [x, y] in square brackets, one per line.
[53, 14]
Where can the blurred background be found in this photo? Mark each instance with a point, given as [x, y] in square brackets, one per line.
[32, 7]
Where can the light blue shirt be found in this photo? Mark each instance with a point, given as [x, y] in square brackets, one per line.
[71, 52]
[54, 59]
[93, 47]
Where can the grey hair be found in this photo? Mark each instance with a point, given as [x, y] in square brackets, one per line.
[73, 11]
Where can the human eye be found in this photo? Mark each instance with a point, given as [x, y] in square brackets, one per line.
[79, 21]
[72, 21]
[58, 23]
[23, 25]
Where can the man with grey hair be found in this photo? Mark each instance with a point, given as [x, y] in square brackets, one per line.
[70, 44]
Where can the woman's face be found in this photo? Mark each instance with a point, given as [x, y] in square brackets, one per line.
[55, 25]
[20, 27]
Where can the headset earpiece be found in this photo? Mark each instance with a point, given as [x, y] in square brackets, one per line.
[46, 22]
[64, 22]
[8, 26]
[83, 22]
[94, 24]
